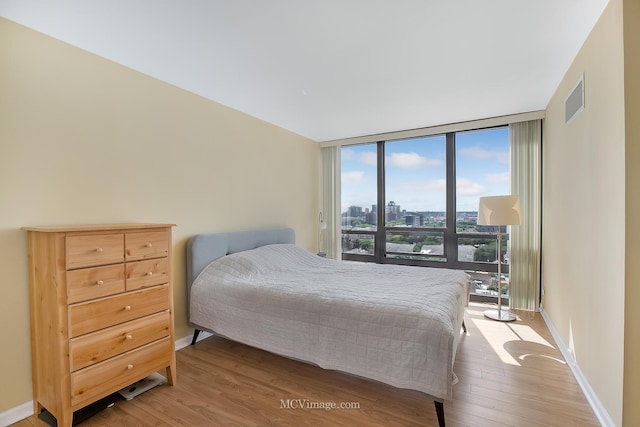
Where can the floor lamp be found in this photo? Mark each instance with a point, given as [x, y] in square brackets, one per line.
[500, 211]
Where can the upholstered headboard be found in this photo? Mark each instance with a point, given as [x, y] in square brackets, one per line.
[202, 249]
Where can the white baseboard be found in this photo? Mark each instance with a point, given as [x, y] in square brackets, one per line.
[599, 410]
[25, 410]
[186, 341]
[16, 414]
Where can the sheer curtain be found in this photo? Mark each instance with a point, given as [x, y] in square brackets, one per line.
[526, 145]
[328, 240]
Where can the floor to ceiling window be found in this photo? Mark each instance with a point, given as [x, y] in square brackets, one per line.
[415, 198]
[359, 190]
[414, 201]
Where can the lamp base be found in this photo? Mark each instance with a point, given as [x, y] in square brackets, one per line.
[503, 316]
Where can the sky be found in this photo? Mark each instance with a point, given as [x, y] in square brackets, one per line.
[416, 171]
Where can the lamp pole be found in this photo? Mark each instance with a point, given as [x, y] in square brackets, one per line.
[507, 316]
[500, 211]
[499, 272]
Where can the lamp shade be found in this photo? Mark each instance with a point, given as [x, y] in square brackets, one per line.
[499, 210]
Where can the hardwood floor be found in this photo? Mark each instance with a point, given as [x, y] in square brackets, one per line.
[510, 374]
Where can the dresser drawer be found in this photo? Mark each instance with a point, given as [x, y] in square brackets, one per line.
[151, 244]
[93, 315]
[142, 274]
[95, 282]
[98, 346]
[106, 377]
[92, 250]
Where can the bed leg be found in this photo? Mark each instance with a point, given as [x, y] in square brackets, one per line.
[196, 332]
[439, 412]
[464, 327]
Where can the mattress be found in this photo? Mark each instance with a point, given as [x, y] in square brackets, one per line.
[395, 324]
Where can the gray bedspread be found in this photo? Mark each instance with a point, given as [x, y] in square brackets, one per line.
[395, 324]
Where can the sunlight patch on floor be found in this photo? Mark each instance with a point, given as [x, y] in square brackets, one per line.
[526, 333]
[499, 334]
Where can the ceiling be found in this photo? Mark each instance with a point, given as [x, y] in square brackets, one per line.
[336, 69]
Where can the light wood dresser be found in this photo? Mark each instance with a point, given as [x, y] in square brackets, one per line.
[101, 312]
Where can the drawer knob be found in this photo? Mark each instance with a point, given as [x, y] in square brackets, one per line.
[99, 250]
[100, 282]
[129, 366]
[149, 245]
[129, 336]
[150, 273]
[127, 307]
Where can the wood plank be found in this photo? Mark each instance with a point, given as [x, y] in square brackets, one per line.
[224, 383]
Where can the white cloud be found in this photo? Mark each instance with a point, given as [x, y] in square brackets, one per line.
[466, 187]
[503, 157]
[437, 185]
[352, 178]
[411, 161]
[433, 186]
[419, 195]
[347, 153]
[477, 152]
[483, 154]
[498, 178]
[369, 158]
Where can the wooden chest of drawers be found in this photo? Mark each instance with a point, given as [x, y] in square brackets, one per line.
[101, 312]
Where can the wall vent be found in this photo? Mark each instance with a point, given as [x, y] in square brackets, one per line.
[575, 101]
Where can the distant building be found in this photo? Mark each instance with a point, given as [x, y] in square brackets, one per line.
[392, 211]
[354, 211]
[414, 220]
[371, 218]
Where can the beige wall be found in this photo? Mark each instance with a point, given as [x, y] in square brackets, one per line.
[583, 271]
[84, 140]
[631, 412]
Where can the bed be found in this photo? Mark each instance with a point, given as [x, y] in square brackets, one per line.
[395, 324]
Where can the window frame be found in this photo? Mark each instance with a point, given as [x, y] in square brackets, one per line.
[450, 235]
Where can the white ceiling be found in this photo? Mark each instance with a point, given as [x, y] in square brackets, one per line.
[335, 69]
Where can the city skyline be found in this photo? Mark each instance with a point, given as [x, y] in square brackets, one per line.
[416, 171]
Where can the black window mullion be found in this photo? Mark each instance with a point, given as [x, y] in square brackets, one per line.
[450, 239]
[381, 244]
